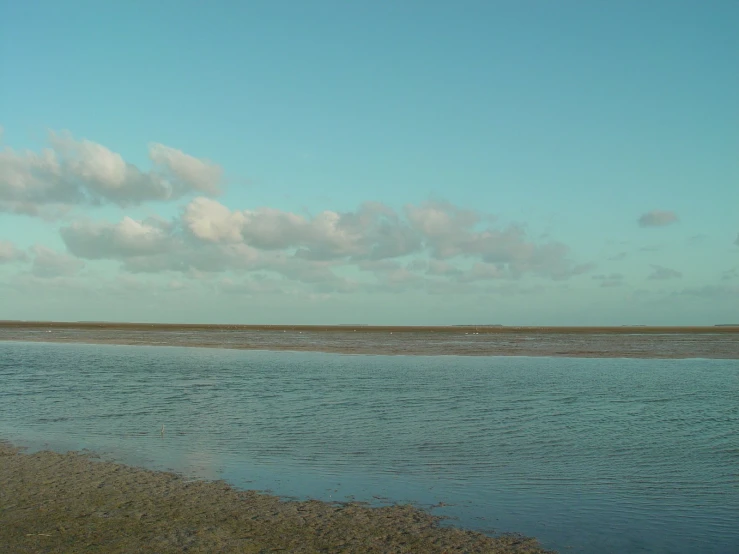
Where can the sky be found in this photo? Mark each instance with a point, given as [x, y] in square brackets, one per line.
[506, 162]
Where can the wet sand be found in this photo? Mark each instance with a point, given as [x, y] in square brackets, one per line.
[74, 502]
[720, 342]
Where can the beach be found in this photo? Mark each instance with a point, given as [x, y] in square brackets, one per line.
[75, 502]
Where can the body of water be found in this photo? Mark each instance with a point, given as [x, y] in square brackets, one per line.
[588, 455]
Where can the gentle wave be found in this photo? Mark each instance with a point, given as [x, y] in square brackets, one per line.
[608, 455]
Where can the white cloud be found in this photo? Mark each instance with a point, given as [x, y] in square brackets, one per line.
[211, 221]
[48, 264]
[417, 264]
[190, 173]
[209, 240]
[483, 272]
[378, 265]
[657, 218]
[122, 240]
[374, 231]
[442, 268]
[252, 286]
[9, 253]
[81, 172]
[449, 232]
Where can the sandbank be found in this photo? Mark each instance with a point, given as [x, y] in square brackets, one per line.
[75, 502]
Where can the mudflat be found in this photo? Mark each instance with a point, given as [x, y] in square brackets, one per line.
[74, 502]
[719, 342]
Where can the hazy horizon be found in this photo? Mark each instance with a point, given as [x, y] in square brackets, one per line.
[423, 163]
[342, 326]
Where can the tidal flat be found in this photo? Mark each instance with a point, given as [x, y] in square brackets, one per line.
[72, 502]
[718, 342]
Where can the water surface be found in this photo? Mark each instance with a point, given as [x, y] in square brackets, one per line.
[588, 455]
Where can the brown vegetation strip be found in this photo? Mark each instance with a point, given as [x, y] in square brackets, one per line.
[66, 503]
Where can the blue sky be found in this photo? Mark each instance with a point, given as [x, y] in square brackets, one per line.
[380, 162]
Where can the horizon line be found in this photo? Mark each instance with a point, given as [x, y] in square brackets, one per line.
[489, 327]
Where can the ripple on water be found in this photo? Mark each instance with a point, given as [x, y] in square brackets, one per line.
[589, 455]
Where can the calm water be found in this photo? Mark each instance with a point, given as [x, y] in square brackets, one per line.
[588, 455]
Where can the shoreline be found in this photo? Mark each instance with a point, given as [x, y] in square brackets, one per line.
[67, 502]
[461, 329]
[594, 345]
[376, 352]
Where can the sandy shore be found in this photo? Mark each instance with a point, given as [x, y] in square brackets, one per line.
[73, 502]
[576, 342]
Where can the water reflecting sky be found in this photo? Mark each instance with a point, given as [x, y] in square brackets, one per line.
[588, 455]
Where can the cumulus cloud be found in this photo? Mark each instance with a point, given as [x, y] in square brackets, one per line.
[417, 264]
[129, 238]
[80, 172]
[737, 240]
[9, 253]
[48, 264]
[374, 231]
[189, 173]
[209, 240]
[378, 265]
[483, 272]
[252, 286]
[449, 232]
[657, 218]
[442, 268]
[664, 273]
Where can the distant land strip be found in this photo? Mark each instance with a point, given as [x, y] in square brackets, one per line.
[463, 328]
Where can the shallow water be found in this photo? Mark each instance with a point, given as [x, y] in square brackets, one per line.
[588, 455]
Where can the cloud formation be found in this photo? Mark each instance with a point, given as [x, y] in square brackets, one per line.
[73, 172]
[374, 231]
[48, 264]
[129, 238]
[208, 238]
[662, 273]
[426, 246]
[657, 218]
[448, 231]
[9, 253]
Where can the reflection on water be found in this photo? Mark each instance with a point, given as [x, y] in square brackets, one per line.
[588, 455]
